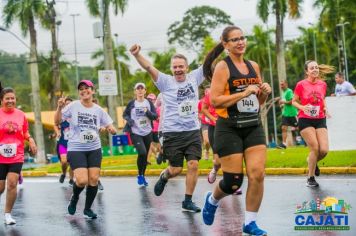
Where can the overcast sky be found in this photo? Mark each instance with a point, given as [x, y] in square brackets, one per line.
[144, 21]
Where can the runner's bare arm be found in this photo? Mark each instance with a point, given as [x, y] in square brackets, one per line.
[205, 111]
[111, 129]
[265, 88]
[144, 63]
[218, 85]
[58, 113]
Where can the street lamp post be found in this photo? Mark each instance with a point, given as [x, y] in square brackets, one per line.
[17, 37]
[75, 49]
[119, 69]
[342, 25]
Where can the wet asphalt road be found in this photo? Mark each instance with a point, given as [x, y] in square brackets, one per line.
[126, 209]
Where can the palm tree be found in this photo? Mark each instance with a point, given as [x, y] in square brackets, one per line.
[95, 10]
[279, 8]
[49, 21]
[25, 12]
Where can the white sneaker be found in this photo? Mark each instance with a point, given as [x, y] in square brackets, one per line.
[9, 220]
[212, 176]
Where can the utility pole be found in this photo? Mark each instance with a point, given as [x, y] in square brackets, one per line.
[314, 42]
[75, 50]
[342, 26]
[272, 87]
[119, 70]
[109, 63]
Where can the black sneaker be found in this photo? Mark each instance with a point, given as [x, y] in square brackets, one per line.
[100, 186]
[311, 182]
[72, 206]
[190, 206]
[159, 186]
[159, 159]
[89, 214]
[281, 146]
[317, 170]
[61, 178]
[71, 182]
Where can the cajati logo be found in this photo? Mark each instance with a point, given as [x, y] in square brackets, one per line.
[327, 214]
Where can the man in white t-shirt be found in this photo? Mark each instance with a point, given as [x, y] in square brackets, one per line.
[343, 88]
[181, 136]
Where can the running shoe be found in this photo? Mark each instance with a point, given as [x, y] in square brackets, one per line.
[281, 146]
[190, 206]
[159, 159]
[238, 192]
[252, 229]
[144, 181]
[311, 182]
[71, 182]
[20, 178]
[159, 186]
[208, 210]
[89, 214]
[100, 186]
[317, 170]
[72, 206]
[212, 176]
[9, 220]
[61, 178]
[140, 180]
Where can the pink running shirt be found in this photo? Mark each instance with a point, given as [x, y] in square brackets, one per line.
[13, 127]
[156, 122]
[211, 109]
[312, 94]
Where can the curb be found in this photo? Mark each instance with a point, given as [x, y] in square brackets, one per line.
[202, 172]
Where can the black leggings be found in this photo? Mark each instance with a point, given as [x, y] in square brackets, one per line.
[142, 145]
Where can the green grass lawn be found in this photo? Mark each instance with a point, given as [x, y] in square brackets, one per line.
[277, 158]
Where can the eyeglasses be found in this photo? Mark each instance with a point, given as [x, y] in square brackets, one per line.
[234, 40]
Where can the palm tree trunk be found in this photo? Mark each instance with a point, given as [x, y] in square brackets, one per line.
[56, 80]
[41, 158]
[281, 63]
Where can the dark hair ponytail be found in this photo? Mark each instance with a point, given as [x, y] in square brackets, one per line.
[216, 51]
[0, 87]
[209, 60]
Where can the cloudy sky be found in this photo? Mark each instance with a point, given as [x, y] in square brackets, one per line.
[144, 22]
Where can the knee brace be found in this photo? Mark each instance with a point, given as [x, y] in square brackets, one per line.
[231, 182]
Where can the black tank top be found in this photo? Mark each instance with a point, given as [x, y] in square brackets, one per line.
[238, 82]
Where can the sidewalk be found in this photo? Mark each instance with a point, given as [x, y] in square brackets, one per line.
[202, 172]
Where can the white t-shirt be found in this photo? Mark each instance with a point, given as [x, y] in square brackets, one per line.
[344, 89]
[180, 101]
[142, 124]
[84, 125]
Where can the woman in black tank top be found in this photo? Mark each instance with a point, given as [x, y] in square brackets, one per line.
[237, 92]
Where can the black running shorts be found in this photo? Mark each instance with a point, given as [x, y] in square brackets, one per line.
[315, 123]
[84, 159]
[289, 121]
[231, 140]
[211, 131]
[11, 167]
[180, 145]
